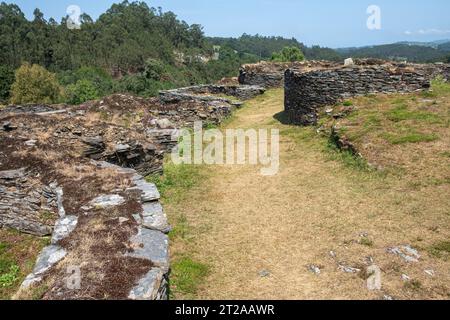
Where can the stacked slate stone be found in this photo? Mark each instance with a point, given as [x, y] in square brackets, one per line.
[205, 92]
[306, 92]
[26, 204]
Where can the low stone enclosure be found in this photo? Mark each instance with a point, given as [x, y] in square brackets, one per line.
[76, 173]
[306, 92]
[243, 92]
[271, 74]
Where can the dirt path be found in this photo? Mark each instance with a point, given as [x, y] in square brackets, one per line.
[258, 234]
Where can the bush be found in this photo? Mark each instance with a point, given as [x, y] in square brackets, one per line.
[139, 84]
[6, 80]
[34, 84]
[154, 69]
[82, 91]
[288, 54]
[99, 78]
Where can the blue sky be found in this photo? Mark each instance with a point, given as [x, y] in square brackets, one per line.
[323, 22]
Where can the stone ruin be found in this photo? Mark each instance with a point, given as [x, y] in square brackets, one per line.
[205, 92]
[271, 74]
[77, 173]
[306, 92]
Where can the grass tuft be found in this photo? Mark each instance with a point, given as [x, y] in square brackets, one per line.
[414, 137]
[177, 179]
[186, 276]
[440, 249]
[402, 113]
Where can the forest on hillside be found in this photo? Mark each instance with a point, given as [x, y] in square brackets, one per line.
[264, 46]
[130, 48]
[137, 49]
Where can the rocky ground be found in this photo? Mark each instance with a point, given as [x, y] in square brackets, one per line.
[62, 175]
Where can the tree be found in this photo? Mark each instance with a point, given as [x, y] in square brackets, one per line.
[98, 77]
[6, 80]
[82, 91]
[288, 54]
[34, 84]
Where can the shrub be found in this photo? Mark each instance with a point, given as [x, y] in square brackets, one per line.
[139, 84]
[154, 69]
[82, 91]
[6, 80]
[34, 84]
[288, 54]
[99, 78]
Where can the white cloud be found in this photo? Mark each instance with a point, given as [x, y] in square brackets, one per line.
[424, 32]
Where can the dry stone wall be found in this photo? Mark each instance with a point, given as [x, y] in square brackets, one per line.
[205, 92]
[271, 74]
[305, 92]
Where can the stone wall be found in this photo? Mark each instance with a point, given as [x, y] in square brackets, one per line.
[26, 204]
[271, 74]
[207, 92]
[306, 92]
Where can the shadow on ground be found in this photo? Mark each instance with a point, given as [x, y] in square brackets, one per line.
[281, 117]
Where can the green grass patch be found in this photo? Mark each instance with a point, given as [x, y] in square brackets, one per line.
[176, 180]
[17, 257]
[440, 87]
[366, 242]
[347, 103]
[413, 137]
[440, 249]
[186, 276]
[9, 278]
[346, 157]
[180, 229]
[401, 113]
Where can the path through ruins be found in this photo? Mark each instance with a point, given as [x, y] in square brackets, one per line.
[258, 235]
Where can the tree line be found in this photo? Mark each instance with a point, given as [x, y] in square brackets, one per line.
[130, 48]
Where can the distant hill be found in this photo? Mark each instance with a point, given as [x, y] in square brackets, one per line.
[263, 47]
[432, 44]
[445, 47]
[414, 52]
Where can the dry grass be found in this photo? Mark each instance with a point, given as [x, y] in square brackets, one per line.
[17, 250]
[239, 223]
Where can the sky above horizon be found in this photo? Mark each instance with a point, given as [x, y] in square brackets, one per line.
[313, 22]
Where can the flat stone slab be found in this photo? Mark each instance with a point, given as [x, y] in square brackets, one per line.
[407, 253]
[48, 257]
[12, 174]
[149, 191]
[153, 217]
[63, 228]
[151, 245]
[107, 201]
[153, 286]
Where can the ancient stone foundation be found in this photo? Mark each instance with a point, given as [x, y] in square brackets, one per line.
[271, 74]
[205, 92]
[305, 92]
